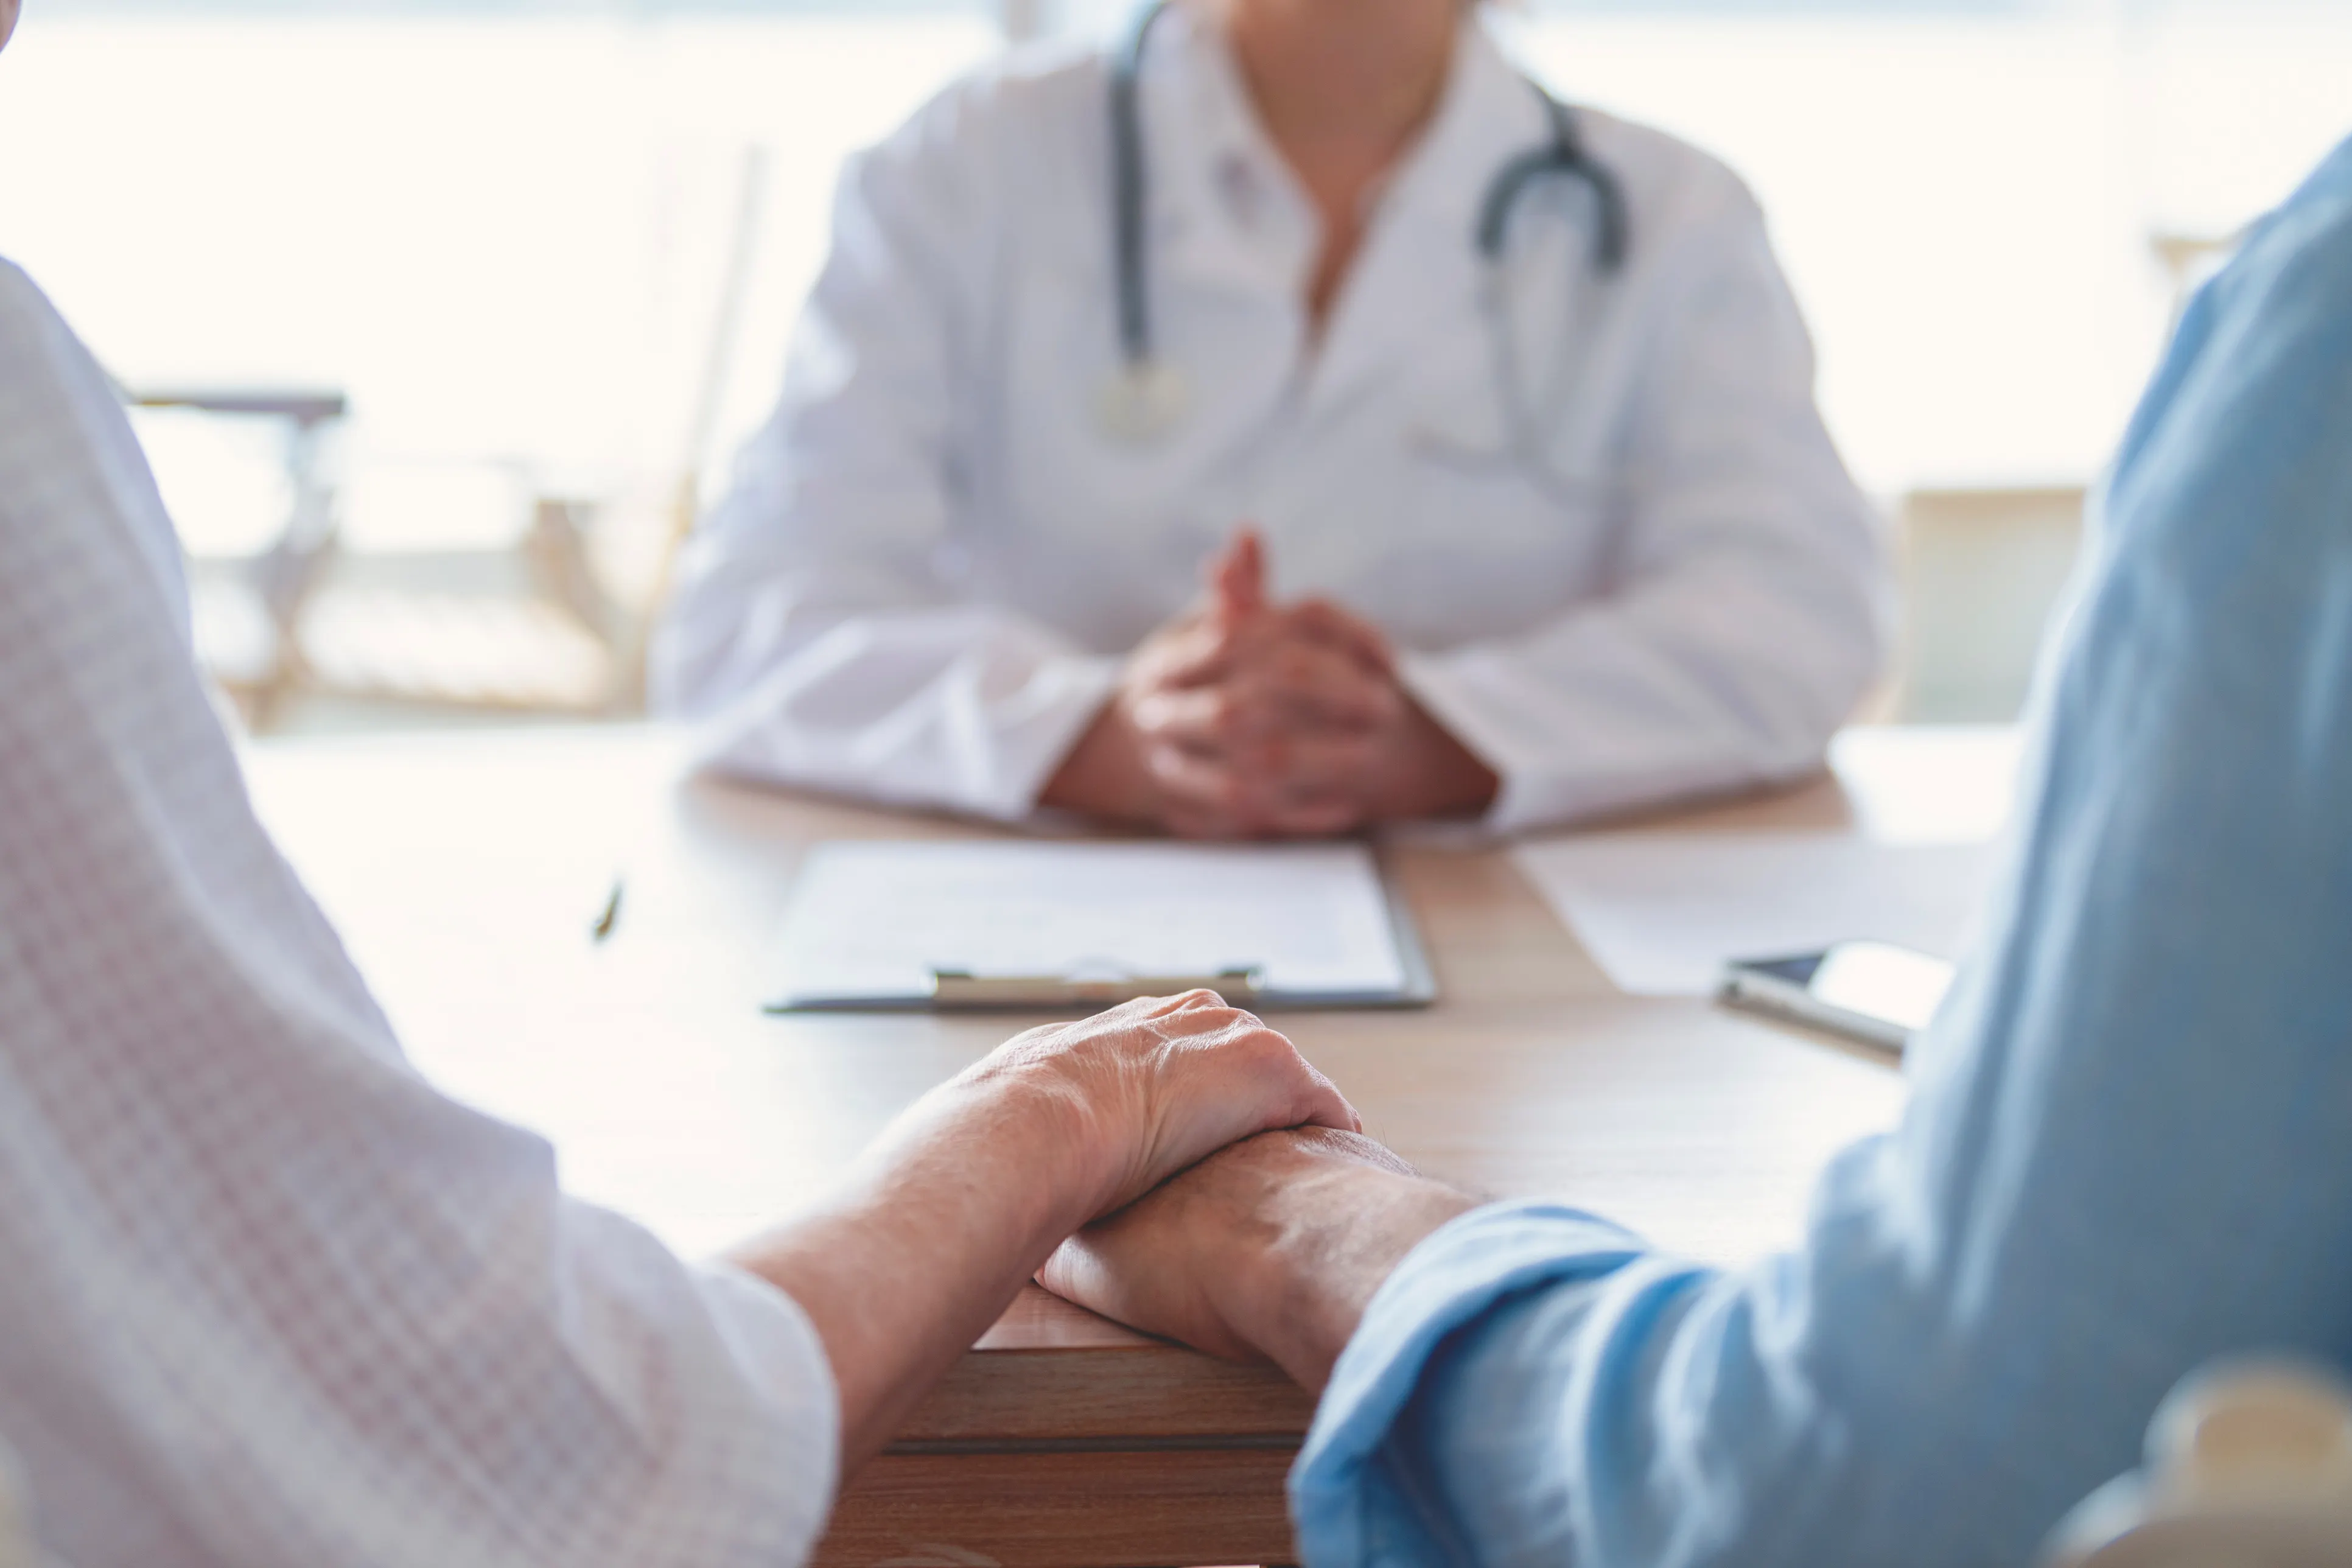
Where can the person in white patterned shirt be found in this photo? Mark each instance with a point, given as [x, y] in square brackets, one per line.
[266, 1297]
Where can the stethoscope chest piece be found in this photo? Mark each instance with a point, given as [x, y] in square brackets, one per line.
[1143, 401]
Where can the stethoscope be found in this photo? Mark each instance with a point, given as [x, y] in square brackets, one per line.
[1148, 396]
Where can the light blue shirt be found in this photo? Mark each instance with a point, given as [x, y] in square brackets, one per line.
[2128, 1148]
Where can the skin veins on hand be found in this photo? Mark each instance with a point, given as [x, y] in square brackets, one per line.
[1269, 1250]
[1247, 719]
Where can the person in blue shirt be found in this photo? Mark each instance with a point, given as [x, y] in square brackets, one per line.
[2128, 1145]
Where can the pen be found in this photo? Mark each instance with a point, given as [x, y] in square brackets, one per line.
[610, 916]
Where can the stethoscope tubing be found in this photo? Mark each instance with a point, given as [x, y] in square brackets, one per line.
[1130, 188]
[1562, 155]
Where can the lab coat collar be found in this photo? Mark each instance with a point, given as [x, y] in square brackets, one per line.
[1419, 261]
[1228, 214]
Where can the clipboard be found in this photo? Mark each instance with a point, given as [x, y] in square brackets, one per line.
[1031, 926]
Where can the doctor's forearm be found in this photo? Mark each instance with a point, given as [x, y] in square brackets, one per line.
[1103, 775]
[1433, 774]
[1651, 697]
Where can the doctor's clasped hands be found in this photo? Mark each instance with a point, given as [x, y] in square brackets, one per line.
[1243, 718]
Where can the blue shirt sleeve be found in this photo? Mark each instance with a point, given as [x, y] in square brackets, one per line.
[2128, 1148]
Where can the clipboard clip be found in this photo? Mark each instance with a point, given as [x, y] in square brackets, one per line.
[960, 988]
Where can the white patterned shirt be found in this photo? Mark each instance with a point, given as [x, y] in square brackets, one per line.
[266, 1297]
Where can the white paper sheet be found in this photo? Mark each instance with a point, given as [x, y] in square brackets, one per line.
[873, 920]
[1662, 911]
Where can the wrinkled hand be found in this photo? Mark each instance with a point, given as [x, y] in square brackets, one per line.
[969, 1189]
[1146, 1088]
[1268, 1250]
[1246, 719]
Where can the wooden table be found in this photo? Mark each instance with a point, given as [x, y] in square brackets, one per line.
[466, 870]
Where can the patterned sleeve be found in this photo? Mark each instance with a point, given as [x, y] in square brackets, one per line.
[2126, 1153]
[265, 1295]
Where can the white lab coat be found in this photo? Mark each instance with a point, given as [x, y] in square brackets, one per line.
[933, 557]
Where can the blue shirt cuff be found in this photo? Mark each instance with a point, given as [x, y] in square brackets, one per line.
[1458, 1273]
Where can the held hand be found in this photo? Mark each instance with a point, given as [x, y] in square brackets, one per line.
[968, 1192]
[1141, 1092]
[1268, 1250]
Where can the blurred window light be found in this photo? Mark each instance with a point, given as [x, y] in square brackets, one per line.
[1968, 194]
[593, 9]
[500, 224]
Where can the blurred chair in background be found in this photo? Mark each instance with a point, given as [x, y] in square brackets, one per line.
[248, 609]
[2189, 259]
[553, 619]
[1982, 572]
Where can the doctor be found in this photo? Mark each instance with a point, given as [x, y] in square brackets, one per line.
[1492, 420]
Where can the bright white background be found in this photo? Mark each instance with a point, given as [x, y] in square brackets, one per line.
[503, 236]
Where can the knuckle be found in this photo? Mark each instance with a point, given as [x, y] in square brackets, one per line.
[1149, 713]
[1251, 1038]
[1168, 763]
